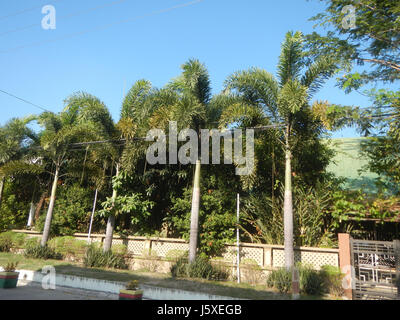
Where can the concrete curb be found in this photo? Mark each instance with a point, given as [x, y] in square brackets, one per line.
[113, 287]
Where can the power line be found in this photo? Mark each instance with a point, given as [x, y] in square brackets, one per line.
[73, 14]
[102, 27]
[25, 10]
[26, 101]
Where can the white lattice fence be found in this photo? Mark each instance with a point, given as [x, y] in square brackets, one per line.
[266, 256]
[315, 258]
[246, 253]
[164, 248]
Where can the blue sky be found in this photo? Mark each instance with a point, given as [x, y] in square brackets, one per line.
[46, 66]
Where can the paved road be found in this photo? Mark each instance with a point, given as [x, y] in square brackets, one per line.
[34, 291]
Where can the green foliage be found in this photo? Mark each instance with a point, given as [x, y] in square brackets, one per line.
[11, 240]
[200, 268]
[263, 219]
[312, 282]
[217, 223]
[68, 246]
[372, 42]
[10, 267]
[15, 205]
[333, 278]
[39, 252]
[134, 205]
[132, 285]
[97, 258]
[72, 212]
[280, 279]
[5, 242]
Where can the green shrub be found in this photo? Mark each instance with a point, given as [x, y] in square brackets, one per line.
[72, 212]
[5, 242]
[311, 281]
[29, 242]
[280, 279]
[68, 246]
[200, 268]
[333, 279]
[11, 240]
[96, 258]
[39, 252]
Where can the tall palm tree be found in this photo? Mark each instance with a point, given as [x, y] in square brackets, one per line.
[282, 100]
[84, 118]
[189, 105]
[135, 113]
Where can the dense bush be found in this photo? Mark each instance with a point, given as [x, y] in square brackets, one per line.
[217, 219]
[39, 252]
[200, 268]
[263, 220]
[333, 278]
[5, 242]
[312, 282]
[281, 280]
[72, 212]
[11, 240]
[96, 258]
[15, 205]
[68, 246]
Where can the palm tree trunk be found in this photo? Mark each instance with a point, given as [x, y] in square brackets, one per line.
[1, 189]
[111, 222]
[288, 219]
[288, 209]
[47, 224]
[40, 205]
[194, 219]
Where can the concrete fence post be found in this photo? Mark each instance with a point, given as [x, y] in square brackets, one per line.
[345, 262]
[396, 247]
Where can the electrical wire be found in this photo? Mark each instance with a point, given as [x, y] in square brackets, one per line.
[71, 15]
[102, 27]
[26, 101]
[26, 10]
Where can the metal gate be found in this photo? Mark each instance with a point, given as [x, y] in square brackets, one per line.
[376, 269]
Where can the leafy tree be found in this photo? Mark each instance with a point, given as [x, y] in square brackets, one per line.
[284, 100]
[15, 138]
[135, 112]
[82, 119]
[374, 40]
[191, 95]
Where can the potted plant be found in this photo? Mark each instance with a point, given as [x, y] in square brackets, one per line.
[131, 291]
[9, 278]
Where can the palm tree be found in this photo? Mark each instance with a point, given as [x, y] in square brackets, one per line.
[84, 118]
[135, 113]
[189, 105]
[282, 100]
